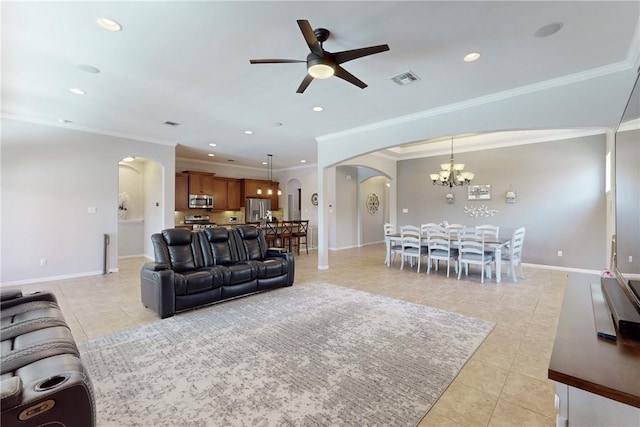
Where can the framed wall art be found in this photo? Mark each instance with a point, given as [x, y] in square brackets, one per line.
[479, 192]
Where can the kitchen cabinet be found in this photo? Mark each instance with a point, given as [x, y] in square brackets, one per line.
[220, 194]
[233, 195]
[226, 194]
[200, 183]
[275, 205]
[250, 189]
[182, 191]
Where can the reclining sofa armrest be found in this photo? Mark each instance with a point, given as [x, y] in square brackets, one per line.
[157, 290]
[273, 251]
[291, 268]
[155, 266]
[15, 300]
[7, 294]
[11, 392]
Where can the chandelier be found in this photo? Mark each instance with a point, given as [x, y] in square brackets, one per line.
[451, 173]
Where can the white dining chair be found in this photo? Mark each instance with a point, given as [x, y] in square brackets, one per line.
[454, 229]
[395, 244]
[412, 245]
[439, 248]
[471, 250]
[512, 257]
[489, 230]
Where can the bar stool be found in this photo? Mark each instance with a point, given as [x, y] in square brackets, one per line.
[271, 234]
[303, 227]
[288, 233]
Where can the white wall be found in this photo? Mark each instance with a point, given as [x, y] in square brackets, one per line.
[542, 106]
[346, 207]
[50, 177]
[560, 197]
[371, 224]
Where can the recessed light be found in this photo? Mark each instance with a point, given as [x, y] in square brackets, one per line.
[548, 30]
[109, 24]
[303, 161]
[473, 56]
[211, 155]
[77, 91]
[213, 144]
[318, 108]
[248, 132]
[89, 68]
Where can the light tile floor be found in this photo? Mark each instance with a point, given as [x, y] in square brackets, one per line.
[504, 383]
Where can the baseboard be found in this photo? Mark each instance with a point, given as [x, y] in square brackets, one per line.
[569, 269]
[132, 256]
[54, 278]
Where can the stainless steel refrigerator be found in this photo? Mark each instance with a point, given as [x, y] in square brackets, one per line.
[256, 209]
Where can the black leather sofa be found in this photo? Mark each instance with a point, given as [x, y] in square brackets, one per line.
[43, 381]
[195, 268]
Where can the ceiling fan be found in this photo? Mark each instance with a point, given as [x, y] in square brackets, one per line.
[322, 64]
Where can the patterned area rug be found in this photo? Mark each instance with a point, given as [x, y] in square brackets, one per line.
[309, 355]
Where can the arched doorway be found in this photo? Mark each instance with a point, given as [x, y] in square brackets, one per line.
[140, 186]
[294, 200]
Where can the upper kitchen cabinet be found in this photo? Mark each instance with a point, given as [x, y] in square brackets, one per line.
[249, 188]
[275, 205]
[200, 183]
[226, 194]
[182, 191]
[233, 195]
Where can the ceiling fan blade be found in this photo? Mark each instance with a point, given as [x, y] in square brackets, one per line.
[310, 37]
[305, 82]
[345, 75]
[274, 61]
[348, 55]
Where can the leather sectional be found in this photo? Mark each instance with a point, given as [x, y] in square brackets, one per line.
[195, 268]
[43, 379]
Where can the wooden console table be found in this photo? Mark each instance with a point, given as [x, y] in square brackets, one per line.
[597, 381]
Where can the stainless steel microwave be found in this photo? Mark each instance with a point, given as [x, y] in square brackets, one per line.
[200, 201]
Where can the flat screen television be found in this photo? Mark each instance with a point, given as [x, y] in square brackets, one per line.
[625, 259]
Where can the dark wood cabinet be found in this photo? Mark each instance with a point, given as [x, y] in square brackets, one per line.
[233, 195]
[200, 183]
[275, 199]
[220, 194]
[182, 191]
[249, 188]
[226, 194]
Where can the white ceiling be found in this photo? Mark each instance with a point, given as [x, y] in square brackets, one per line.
[188, 62]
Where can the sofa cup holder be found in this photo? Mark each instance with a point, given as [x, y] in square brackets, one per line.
[52, 382]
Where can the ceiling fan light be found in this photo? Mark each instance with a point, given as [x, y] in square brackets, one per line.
[319, 69]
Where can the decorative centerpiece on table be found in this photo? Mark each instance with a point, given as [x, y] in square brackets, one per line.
[123, 199]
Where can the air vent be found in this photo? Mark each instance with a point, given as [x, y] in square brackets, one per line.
[405, 78]
[170, 123]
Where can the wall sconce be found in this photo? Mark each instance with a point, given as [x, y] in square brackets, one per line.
[451, 198]
[511, 196]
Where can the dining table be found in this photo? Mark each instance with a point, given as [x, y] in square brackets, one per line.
[495, 244]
